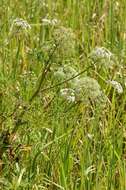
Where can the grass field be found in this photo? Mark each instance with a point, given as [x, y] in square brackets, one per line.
[62, 95]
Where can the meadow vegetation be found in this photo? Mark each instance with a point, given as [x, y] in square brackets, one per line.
[62, 95]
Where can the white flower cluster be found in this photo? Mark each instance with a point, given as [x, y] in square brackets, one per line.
[101, 53]
[102, 56]
[87, 89]
[84, 89]
[51, 22]
[68, 94]
[65, 72]
[19, 25]
[116, 85]
[65, 38]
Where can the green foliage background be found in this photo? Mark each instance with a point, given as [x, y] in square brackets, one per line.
[45, 141]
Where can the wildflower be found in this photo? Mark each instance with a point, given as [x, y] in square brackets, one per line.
[65, 39]
[19, 25]
[68, 94]
[66, 72]
[70, 71]
[59, 74]
[116, 85]
[101, 53]
[102, 56]
[87, 88]
[46, 22]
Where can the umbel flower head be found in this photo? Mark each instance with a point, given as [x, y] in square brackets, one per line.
[66, 72]
[19, 25]
[87, 89]
[65, 38]
[84, 89]
[102, 57]
[68, 94]
[50, 22]
[116, 85]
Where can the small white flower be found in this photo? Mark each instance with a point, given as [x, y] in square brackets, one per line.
[54, 22]
[68, 94]
[102, 57]
[101, 53]
[19, 27]
[22, 24]
[71, 98]
[116, 85]
[46, 22]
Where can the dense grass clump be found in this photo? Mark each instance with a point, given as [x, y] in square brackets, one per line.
[62, 95]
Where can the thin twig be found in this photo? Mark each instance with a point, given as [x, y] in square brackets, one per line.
[43, 75]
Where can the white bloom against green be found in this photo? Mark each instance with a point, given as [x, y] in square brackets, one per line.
[80, 89]
[59, 74]
[102, 57]
[116, 85]
[69, 70]
[64, 34]
[19, 25]
[51, 22]
[20, 29]
[87, 87]
[66, 72]
[65, 38]
[68, 94]
[101, 53]
[46, 21]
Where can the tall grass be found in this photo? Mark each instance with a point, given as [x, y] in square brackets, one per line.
[49, 140]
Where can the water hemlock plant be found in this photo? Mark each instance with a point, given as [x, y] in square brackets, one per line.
[62, 95]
